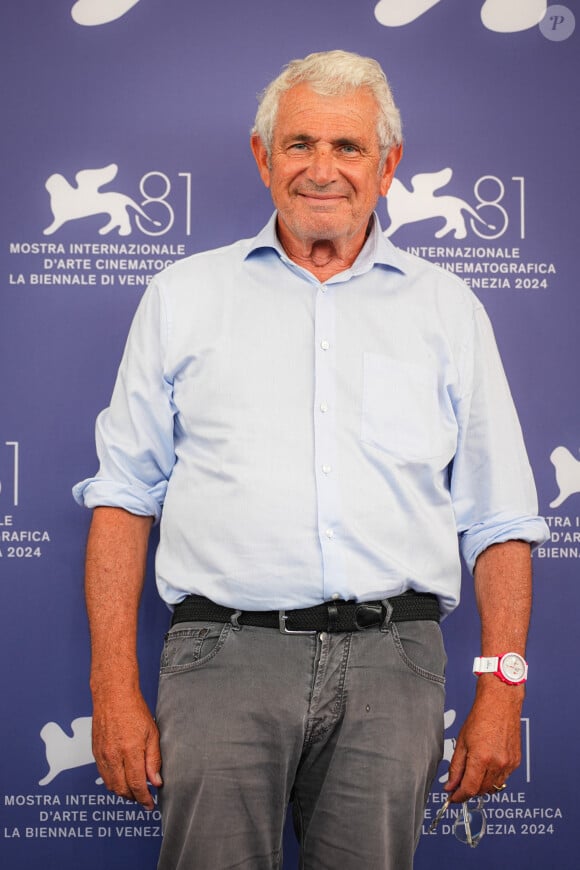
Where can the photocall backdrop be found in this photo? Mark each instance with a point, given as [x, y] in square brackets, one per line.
[125, 146]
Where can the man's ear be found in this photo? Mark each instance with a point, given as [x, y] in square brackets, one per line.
[391, 163]
[261, 158]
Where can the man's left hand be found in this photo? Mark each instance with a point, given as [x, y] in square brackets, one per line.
[488, 747]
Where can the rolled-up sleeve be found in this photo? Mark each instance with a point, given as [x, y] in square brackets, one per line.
[492, 485]
[134, 435]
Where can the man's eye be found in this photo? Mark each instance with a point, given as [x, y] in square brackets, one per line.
[349, 149]
[298, 146]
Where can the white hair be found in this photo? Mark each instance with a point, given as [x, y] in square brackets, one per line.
[331, 73]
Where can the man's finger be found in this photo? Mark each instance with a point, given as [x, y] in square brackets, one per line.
[153, 761]
[136, 779]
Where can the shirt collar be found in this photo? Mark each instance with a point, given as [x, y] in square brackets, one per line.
[377, 250]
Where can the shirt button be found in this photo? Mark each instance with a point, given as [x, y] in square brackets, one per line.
[323, 407]
[329, 533]
[324, 344]
[327, 469]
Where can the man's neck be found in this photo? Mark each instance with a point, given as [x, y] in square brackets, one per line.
[324, 258]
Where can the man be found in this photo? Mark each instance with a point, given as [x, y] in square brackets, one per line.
[318, 415]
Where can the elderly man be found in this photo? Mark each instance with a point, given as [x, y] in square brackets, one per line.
[315, 416]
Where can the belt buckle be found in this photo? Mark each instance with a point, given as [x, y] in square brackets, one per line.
[282, 617]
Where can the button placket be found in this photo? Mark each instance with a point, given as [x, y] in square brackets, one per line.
[325, 445]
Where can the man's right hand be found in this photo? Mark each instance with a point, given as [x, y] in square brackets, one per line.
[126, 746]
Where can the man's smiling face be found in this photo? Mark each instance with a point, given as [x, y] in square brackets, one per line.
[324, 172]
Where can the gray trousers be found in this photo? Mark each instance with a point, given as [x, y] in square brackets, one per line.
[348, 726]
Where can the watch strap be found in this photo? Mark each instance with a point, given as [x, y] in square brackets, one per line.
[485, 664]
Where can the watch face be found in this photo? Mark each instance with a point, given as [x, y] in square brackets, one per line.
[513, 667]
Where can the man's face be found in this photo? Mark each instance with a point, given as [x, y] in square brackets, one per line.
[324, 172]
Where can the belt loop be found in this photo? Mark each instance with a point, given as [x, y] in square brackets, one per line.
[234, 619]
[332, 610]
[388, 613]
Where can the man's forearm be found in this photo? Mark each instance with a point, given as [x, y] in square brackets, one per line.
[125, 737]
[115, 572]
[503, 588]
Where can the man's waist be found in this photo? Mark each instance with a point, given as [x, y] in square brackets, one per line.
[331, 616]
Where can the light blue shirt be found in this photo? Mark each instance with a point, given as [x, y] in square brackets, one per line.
[303, 440]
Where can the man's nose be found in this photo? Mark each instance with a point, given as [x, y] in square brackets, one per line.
[322, 167]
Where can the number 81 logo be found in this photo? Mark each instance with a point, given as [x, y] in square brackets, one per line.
[490, 193]
[156, 189]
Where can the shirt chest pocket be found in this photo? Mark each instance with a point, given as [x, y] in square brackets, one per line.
[402, 411]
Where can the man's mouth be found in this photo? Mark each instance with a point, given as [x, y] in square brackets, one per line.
[321, 198]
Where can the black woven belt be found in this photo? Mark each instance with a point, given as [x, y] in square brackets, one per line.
[331, 616]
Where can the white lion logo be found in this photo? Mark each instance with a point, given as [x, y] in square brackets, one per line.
[70, 203]
[567, 469]
[449, 742]
[92, 12]
[420, 203]
[503, 16]
[64, 752]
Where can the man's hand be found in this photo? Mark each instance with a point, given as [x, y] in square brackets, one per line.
[488, 747]
[126, 747]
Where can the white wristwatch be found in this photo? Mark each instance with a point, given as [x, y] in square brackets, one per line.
[511, 667]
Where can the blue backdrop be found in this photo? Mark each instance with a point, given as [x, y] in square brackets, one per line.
[125, 145]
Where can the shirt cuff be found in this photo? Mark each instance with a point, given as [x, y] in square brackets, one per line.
[532, 530]
[94, 492]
